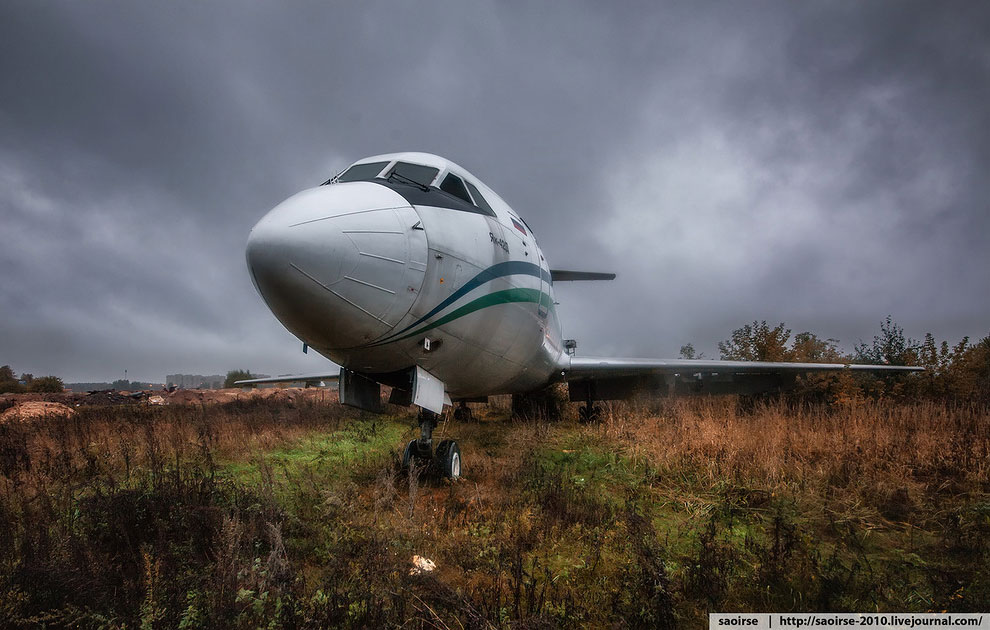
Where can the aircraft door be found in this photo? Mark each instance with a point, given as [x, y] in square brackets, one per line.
[543, 306]
[531, 253]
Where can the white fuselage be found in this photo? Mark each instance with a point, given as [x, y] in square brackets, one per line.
[381, 275]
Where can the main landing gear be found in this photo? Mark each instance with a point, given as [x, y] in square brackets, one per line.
[446, 460]
[463, 413]
[590, 412]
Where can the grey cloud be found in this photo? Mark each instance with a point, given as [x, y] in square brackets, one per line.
[821, 164]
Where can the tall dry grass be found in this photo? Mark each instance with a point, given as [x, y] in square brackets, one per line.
[130, 514]
[113, 441]
[928, 443]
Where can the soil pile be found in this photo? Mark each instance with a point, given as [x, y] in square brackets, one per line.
[289, 395]
[32, 410]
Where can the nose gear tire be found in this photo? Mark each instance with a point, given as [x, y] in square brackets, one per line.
[448, 460]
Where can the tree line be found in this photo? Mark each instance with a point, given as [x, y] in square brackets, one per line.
[9, 383]
[959, 372]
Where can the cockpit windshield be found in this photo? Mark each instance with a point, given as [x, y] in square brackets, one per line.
[362, 172]
[413, 173]
[415, 182]
[479, 200]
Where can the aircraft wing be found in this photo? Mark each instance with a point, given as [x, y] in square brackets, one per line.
[291, 378]
[607, 378]
[586, 367]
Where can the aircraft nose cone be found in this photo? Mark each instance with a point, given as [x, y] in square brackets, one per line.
[339, 265]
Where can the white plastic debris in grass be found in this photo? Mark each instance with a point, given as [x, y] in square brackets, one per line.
[422, 565]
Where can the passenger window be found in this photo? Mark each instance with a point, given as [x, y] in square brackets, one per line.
[362, 172]
[479, 200]
[453, 185]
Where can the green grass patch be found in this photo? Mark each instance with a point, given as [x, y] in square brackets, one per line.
[359, 448]
[592, 465]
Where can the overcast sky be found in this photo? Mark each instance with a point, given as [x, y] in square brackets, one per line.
[820, 164]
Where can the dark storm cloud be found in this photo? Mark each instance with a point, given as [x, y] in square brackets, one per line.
[835, 162]
[820, 164]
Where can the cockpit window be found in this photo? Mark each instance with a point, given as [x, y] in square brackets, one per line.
[455, 186]
[362, 172]
[478, 199]
[413, 173]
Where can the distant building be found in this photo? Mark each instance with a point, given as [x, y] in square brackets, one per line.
[198, 381]
[99, 386]
[195, 381]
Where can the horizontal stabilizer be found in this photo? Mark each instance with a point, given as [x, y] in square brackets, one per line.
[562, 275]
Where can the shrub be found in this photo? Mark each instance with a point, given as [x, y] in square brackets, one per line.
[46, 384]
[8, 382]
[236, 375]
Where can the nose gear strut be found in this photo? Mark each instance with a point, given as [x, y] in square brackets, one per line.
[447, 459]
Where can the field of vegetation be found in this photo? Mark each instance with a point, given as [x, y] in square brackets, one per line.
[262, 514]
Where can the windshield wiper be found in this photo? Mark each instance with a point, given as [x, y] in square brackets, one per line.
[408, 180]
[332, 180]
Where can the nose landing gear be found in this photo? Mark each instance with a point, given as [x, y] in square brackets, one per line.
[446, 461]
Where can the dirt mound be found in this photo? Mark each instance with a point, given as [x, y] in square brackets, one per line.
[32, 410]
[109, 397]
[184, 397]
[290, 395]
[202, 396]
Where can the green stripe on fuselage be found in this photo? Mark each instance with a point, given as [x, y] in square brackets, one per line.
[499, 270]
[507, 296]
